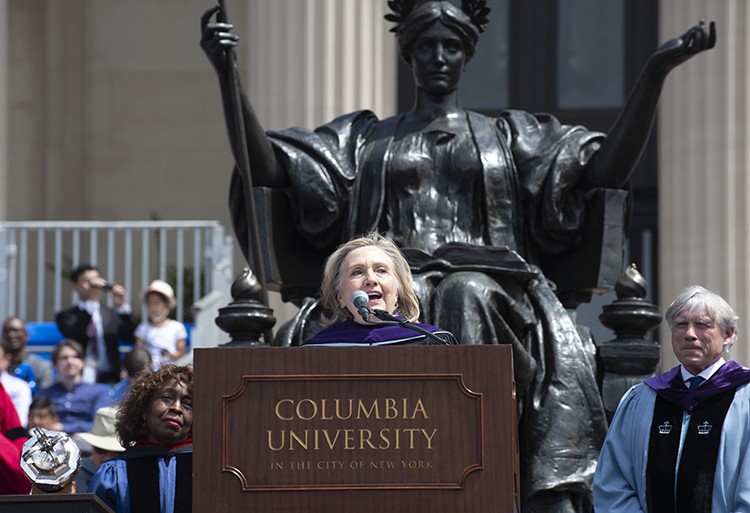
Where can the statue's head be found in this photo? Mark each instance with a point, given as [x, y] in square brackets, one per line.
[412, 17]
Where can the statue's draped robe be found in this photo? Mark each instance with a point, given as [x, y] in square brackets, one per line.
[529, 166]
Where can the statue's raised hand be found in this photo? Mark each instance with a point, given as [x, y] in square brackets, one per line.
[674, 52]
[216, 38]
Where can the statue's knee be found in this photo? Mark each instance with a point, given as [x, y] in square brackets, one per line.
[465, 284]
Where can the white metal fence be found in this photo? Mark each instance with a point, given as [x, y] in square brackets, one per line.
[36, 257]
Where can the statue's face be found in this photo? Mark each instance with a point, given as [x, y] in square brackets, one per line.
[438, 60]
[371, 269]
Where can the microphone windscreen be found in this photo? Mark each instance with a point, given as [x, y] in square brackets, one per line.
[359, 298]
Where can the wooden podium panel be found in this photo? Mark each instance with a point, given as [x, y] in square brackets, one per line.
[355, 429]
[53, 503]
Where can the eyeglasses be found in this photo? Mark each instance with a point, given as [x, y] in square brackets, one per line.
[14, 330]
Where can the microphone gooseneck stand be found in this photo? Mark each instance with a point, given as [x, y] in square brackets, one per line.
[392, 319]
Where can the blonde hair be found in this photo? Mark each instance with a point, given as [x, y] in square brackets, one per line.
[406, 300]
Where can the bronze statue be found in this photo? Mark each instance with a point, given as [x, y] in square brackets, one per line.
[473, 201]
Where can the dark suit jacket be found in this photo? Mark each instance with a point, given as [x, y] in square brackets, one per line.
[116, 326]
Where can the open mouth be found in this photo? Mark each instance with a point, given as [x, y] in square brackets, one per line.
[374, 296]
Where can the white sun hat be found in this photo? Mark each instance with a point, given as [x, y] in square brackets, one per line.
[162, 288]
[103, 434]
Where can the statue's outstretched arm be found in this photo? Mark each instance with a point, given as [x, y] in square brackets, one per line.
[627, 138]
[216, 39]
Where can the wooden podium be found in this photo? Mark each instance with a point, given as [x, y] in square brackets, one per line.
[53, 503]
[355, 429]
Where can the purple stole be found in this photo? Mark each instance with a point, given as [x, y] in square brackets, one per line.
[350, 332]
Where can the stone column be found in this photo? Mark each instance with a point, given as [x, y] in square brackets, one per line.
[4, 112]
[306, 62]
[704, 163]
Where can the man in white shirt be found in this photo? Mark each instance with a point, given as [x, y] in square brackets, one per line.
[96, 326]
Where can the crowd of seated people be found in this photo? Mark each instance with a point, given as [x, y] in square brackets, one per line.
[85, 375]
[86, 369]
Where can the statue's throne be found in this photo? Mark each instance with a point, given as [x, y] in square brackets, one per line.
[294, 267]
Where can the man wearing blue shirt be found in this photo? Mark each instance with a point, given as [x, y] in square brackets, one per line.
[34, 369]
[76, 402]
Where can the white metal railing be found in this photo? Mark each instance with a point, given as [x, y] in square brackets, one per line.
[36, 256]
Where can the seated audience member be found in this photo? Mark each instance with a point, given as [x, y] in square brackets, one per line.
[18, 389]
[15, 339]
[76, 402]
[42, 413]
[104, 445]
[155, 424]
[95, 326]
[13, 480]
[679, 441]
[134, 362]
[375, 265]
[164, 338]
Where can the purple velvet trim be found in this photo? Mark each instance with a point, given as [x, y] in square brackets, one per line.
[354, 333]
[671, 387]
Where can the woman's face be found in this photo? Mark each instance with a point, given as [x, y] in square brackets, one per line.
[169, 416]
[370, 269]
[438, 59]
[156, 304]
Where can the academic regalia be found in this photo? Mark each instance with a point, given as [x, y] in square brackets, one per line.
[350, 333]
[147, 478]
[670, 448]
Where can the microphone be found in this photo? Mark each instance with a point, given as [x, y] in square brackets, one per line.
[359, 300]
[392, 319]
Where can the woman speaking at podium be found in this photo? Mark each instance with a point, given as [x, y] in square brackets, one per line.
[368, 288]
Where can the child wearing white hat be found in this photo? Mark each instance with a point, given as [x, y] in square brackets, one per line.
[164, 338]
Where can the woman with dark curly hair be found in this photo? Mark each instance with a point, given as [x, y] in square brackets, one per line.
[155, 424]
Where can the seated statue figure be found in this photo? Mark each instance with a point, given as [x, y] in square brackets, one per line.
[474, 202]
